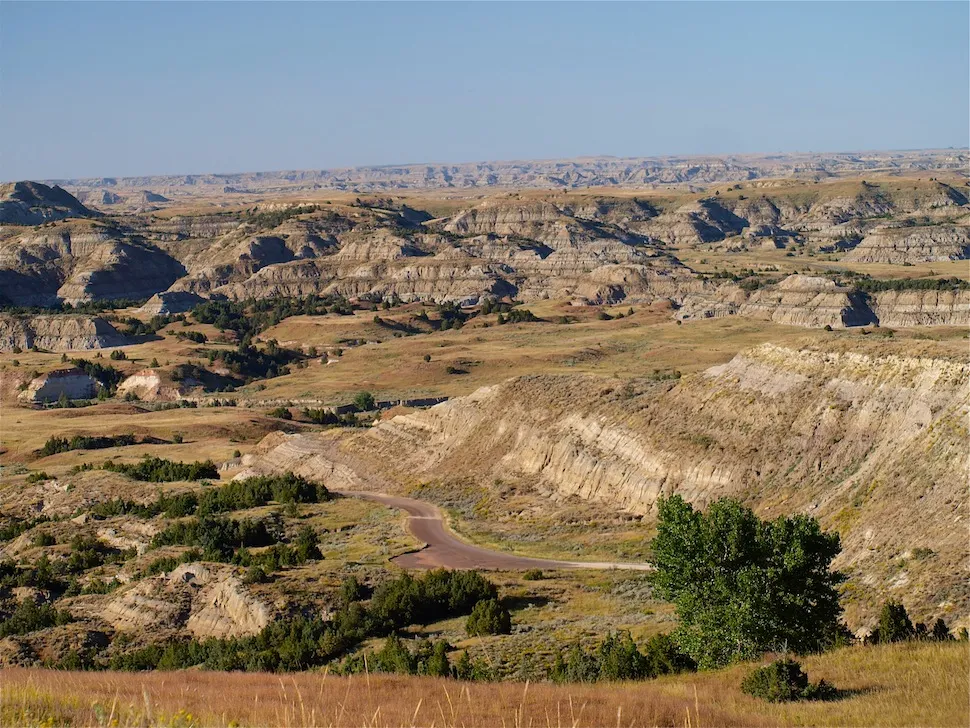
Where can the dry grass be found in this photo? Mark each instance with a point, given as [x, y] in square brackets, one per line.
[904, 685]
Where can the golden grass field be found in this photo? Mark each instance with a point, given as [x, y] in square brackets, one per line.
[913, 684]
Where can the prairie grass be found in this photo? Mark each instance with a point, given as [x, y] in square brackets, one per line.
[892, 685]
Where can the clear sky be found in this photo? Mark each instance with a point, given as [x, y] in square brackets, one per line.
[113, 89]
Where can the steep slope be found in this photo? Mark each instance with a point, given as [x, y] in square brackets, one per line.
[900, 245]
[870, 441]
[57, 333]
[33, 203]
[82, 260]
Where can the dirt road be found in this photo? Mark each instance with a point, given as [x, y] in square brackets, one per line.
[426, 523]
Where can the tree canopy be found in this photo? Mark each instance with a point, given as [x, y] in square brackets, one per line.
[743, 586]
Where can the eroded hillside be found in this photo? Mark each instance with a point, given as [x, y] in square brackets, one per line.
[591, 248]
[871, 440]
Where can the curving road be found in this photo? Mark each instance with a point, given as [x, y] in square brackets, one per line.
[444, 549]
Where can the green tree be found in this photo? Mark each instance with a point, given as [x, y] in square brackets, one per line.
[489, 617]
[364, 401]
[894, 623]
[941, 633]
[743, 586]
[437, 664]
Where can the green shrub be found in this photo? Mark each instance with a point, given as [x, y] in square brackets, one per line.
[56, 445]
[894, 624]
[281, 413]
[533, 575]
[618, 658]
[364, 401]
[321, 416]
[43, 539]
[783, 681]
[160, 470]
[255, 575]
[488, 617]
[28, 616]
[37, 477]
[940, 632]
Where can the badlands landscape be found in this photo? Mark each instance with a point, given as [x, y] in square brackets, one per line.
[242, 415]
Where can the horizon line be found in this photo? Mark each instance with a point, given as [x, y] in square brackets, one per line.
[720, 155]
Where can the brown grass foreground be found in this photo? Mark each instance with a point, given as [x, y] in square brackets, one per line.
[896, 685]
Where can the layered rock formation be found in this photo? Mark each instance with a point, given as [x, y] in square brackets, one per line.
[151, 385]
[900, 245]
[870, 441]
[809, 301]
[584, 247]
[922, 308]
[205, 600]
[80, 261]
[33, 203]
[61, 332]
[816, 302]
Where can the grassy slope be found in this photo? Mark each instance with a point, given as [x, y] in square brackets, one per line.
[895, 685]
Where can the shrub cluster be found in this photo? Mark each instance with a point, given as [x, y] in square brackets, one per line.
[618, 658]
[488, 617]
[160, 470]
[135, 327]
[233, 496]
[56, 445]
[895, 625]
[104, 374]
[218, 538]
[421, 600]
[28, 616]
[782, 681]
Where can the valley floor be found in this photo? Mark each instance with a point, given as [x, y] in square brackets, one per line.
[891, 685]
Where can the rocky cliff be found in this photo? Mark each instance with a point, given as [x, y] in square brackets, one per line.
[71, 383]
[204, 600]
[60, 332]
[33, 203]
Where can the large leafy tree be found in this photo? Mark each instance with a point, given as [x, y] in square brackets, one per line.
[743, 586]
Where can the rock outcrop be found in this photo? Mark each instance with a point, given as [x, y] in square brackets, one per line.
[57, 332]
[900, 245]
[922, 307]
[33, 203]
[71, 383]
[205, 600]
[811, 301]
[151, 385]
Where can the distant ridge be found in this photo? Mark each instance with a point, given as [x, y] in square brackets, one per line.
[596, 171]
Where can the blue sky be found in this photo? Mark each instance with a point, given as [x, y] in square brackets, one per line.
[105, 89]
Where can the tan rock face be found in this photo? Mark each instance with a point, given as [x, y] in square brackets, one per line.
[57, 333]
[151, 385]
[207, 600]
[913, 245]
[922, 308]
[49, 387]
[808, 301]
